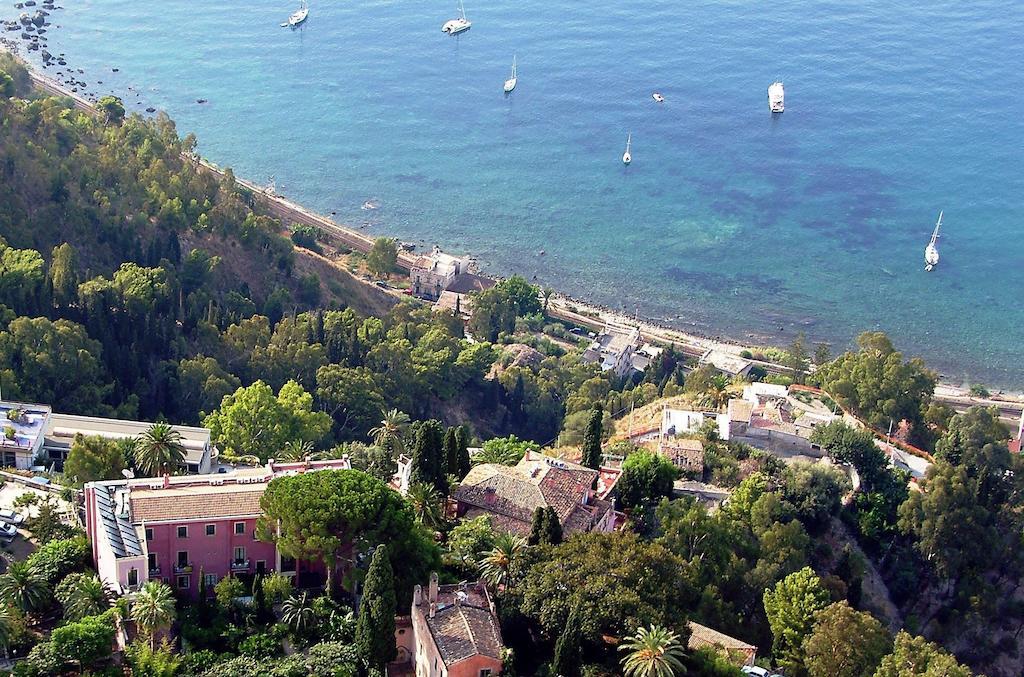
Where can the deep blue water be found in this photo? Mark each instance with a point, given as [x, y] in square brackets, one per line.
[729, 221]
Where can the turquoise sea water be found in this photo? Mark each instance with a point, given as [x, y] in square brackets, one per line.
[729, 221]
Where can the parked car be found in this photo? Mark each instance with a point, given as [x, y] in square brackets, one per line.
[755, 671]
[8, 531]
[11, 517]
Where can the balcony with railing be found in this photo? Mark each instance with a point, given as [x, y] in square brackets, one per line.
[180, 568]
[154, 570]
[239, 565]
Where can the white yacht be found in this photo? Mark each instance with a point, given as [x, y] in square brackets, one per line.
[298, 16]
[931, 252]
[627, 157]
[510, 84]
[658, 97]
[776, 97]
[454, 26]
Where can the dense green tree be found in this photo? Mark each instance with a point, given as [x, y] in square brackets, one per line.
[537, 526]
[253, 421]
[160, 450]
[383, 256]
[204, 385]
[619, 581]
[969, 433]
[471, 537]
[646, 478]
[332, 516]
[93, 458]
[111, 108]
[876, 383]
[815, 492]
[63, 274]
[495, 310]
[503, 451]
[21, 277]
[592, 456]
[352, 397]
[653, 652]
[375, 632]
[86, 643]
[791, 607]
[463, 464]
[845, 643]
[916, 656]
[53, 362]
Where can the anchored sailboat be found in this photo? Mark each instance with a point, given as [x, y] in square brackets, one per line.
[454, 26]
[931, 252]
[510, 84]
[626, 157]
[298, 16]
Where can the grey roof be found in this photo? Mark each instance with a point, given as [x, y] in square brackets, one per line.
[120, 533]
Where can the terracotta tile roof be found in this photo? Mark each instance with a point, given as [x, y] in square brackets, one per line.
[702, 636]
[196, 502]
[464, 627]
[512, 494]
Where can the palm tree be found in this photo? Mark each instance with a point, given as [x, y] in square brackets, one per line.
[297, 612]
[24, 587]
[654, 652]
[390, 434]
[160, 450]
[496, 565]
[296, 450]
[546, 293]
[426, 505]
[90, 597]
[152, 609]
[6, 628]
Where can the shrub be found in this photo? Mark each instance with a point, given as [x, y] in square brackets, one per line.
[57, 559]
[260, 646]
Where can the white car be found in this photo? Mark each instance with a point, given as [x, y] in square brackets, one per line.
[757, 672]
[11, 517]
[7, 531]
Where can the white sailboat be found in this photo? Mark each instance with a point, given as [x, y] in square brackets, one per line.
[298, 16]
[510, 84]
[627, 157]
[453, 26]
[931, 252]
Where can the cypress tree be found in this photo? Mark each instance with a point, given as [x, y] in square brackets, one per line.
[428, 464]
[259, 600]
[462, 442]
[203, 610]
[451, 452]
[592, 440]
[567, 648]
[375, 629]
[538, 528]
[551, 526]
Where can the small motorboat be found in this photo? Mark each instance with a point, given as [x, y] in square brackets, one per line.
[298, 16]
[627, 157]
[776, 97]
[658, 97]
[455, 26]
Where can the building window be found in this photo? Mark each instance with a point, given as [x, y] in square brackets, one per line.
[211, 580]
[239, 527]
[183, 582]
[183, 558]
[261, 566]
[182, 532]
[485, 673]
[239, 554]
[153, 566]
[149, 534]
[211, 529]
[133, 577]
[287, 564]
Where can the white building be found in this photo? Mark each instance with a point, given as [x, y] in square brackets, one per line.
[34, 432]
[433, 274]
[682, 422]
[613, 349]
[727, 363]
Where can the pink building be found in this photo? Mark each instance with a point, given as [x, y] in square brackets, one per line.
[173, 528]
